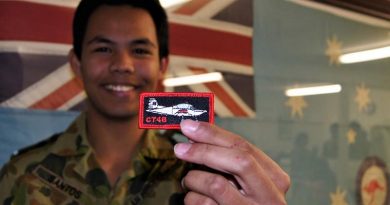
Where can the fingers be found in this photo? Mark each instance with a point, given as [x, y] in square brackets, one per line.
[209, 188]
[218, 158]
[193, 198]
[260, 178]
[238, 163]
[206, 133]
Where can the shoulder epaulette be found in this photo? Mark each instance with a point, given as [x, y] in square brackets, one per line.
[42, 143]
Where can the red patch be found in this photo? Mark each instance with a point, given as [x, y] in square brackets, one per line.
[166, 110]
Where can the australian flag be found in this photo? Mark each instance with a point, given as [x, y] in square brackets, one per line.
[205, 36]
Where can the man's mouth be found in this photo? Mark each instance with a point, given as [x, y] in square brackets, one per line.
[119, 88]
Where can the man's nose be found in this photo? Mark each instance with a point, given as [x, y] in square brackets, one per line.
[122, 62]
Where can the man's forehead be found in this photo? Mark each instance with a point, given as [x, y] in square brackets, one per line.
[111, 23]
[119, 17]
[120, 9]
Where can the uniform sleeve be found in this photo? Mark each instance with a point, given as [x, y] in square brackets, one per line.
[7, 183]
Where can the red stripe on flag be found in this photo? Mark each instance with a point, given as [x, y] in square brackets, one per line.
[35, 22]
[191, 7]
[224, 97]
[63, 94]
[210, 44]
[28, 21]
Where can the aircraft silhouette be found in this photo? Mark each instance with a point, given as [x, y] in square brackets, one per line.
[181, 110]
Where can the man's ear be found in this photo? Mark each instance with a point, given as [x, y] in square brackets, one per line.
[163, 67]
[74, 63]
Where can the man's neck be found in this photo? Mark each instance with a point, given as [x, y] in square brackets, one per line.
[114, 142]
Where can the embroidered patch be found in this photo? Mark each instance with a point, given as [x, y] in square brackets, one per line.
[166, 110]
[56, 182]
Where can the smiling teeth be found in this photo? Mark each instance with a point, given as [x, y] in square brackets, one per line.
[119, 88]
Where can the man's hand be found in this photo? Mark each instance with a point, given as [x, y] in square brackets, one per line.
[255, 178]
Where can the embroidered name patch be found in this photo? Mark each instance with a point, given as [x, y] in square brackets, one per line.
[57, 182]
[166, 110]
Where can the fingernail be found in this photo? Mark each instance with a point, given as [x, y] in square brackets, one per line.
[181, 148]
[189, 125]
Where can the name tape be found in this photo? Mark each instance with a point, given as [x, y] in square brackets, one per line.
[57, 182]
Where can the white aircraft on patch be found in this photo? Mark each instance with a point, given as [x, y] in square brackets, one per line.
[182, 109]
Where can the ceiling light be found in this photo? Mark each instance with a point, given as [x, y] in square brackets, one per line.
[314, 90]
[193, 79]
[170, 3]
[366, 55]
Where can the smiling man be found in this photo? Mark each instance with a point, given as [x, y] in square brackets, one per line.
[121, 50]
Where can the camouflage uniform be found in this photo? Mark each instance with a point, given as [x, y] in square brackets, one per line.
[64, 170]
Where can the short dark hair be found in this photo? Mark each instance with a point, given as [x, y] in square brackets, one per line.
[153, 7]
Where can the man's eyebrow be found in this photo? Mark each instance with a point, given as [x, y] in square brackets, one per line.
[100, 39]
[143, 41]
[140, 41]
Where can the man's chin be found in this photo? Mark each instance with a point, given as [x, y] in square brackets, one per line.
[120, 116]
[115, 114]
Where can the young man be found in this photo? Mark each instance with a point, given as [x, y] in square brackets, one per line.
[120, 50]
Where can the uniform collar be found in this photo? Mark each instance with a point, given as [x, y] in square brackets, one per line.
[73, 141]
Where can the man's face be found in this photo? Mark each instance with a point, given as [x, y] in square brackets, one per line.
[119, 60]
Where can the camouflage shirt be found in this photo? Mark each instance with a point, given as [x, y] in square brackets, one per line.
[64, 170]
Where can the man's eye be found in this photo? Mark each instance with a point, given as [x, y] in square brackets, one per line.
[103, 50]
[141, 51]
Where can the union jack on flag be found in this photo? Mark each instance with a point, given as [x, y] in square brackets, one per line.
[206, 36]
